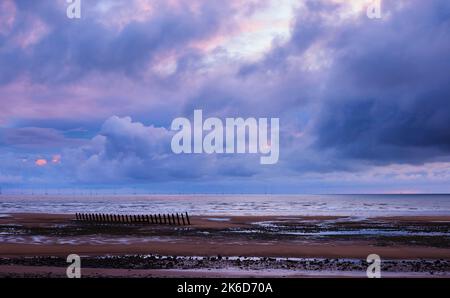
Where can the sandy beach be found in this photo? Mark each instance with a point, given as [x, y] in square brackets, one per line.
[36, 245]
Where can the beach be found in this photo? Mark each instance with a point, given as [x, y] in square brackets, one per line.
[37, 244]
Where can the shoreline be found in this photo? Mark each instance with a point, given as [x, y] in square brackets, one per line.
[409, 243]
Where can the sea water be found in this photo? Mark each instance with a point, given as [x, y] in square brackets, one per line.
[228, 205]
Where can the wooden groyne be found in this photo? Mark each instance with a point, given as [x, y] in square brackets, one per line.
[178, 219]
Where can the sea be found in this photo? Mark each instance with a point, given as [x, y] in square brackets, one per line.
[233, 205]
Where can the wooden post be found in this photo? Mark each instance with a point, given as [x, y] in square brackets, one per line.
[160, 218]
[173, 219]
[187, 217]
[182, 218]
[178, 219]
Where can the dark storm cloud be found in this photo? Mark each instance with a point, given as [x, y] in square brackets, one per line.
[387, 96]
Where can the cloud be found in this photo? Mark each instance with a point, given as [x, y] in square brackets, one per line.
[36, 138]
[67, 50]
[41, 162]
[125, 151]
[387, 93]
[353, 95]
[8, 179]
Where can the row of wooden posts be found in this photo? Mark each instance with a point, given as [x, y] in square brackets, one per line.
[159, 219]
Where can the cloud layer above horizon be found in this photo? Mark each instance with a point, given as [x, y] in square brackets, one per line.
[364, 104]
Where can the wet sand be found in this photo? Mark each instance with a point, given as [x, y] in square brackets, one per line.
[324, 237]
[60, 272]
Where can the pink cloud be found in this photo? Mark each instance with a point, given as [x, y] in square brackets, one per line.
[34, 32]
[56, 158]
[7, 15]
[40, 162]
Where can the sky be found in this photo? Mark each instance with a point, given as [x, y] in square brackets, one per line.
[87, 103]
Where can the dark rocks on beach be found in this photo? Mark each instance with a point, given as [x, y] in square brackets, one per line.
[175, 262]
